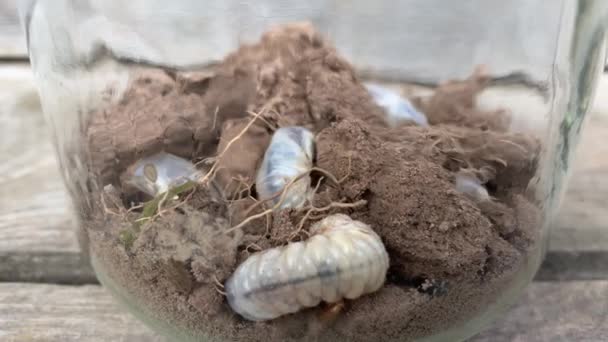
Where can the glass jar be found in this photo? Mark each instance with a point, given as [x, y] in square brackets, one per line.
[287, 170]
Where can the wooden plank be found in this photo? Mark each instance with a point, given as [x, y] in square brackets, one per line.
[40, 266]
[33, 202]
[54, 313]
[560, 311]
[12, 37]
[573, 265]
[34, 215]
[567, 311]
[37, 240]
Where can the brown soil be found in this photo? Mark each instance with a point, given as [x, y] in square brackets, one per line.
[450, 256]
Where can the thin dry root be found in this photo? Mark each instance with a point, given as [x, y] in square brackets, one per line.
[211, 173]
[217, 109]
[159, 208]
[253, 245]
[135, 207]
[219, 286]
[105, 206]
[496, 159]
[350, 164]
[282, 199]
[314, 191]
[330, 206]
[249, 219]
[160, 211]
[268, 124]
[268, 211]
[327, 174]
[280, 193]
[516, 145]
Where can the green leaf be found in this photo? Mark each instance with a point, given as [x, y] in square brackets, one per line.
[151, 207]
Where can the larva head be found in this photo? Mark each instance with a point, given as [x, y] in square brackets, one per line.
[471, 187]
[160, 172]
[398, 109]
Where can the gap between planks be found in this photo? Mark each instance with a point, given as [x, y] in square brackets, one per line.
[37, 241]
[564, 311]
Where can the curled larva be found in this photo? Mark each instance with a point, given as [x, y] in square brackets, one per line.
[471, 187]
[398, 109]
[158, 173]
[289, 155]
[344, 259]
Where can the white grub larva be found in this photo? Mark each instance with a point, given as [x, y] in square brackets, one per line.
[471, 187]
[398, 108]
[289, 155]
[158, 173]
[343, 259]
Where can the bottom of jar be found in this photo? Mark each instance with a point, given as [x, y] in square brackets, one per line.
[478, 314]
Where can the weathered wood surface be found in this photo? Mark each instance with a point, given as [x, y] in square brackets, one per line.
[37, 242]
[36, 234]
[555, 311]
[54, 313]
[12, 38]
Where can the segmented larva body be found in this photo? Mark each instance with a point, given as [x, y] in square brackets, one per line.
[471, 187]
[398, 108]
[289, 155]
[158, 173]
[344, 259]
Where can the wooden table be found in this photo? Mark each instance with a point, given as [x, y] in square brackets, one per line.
[49, 293]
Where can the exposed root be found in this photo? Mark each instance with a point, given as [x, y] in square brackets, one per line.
[270, 126]
[219, 287]
[281, 193]
[497, 160]
[311, 208]
[105, 206]
[154, 208]
[135, 207]
[254, 246]
[332, 205]
[327, 174]
[211, 173]
[314, 191]
[159, 210]
[217, 109]
[268, 211]
[249, 219]
[350, 169]
[516, 145]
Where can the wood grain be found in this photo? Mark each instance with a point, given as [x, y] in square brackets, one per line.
[37, 240]
[54, 313]
[49, 313]
[555, 311]
[12, 38]
[33, 202]
[35, 221]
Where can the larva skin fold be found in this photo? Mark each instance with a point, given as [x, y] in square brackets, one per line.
[343, 259]
[289, 155]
